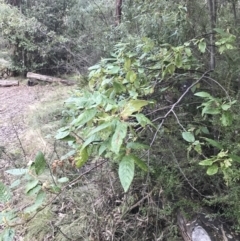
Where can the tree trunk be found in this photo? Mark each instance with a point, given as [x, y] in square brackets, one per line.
[47, 78]
[213, 20]
[118, 11]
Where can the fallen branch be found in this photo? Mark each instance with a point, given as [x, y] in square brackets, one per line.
[8, 83]
[47, 78]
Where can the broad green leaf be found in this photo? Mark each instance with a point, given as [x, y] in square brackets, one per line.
[113, 70]
[188, 52]
[140, 163]
[38, 202]
[133, 106]
[136, 146]
[62, 134]
[89, 140]
[210, 110]
[5, 194]
[118, 136]
[15, 183]
[143, 120]
[17, 172]
[81, 158]
[101, 127]
[39, 163]
[127, 64]
[126, 171]
[85, 117]
[226, 118]
[226, 106]
[55, 189]
[198, 148]
[94, 67]
[207, 162]
[131, 76]
[103, 147]
[188, 136]
[203, 94]
[213, 143]
[118, 87]
[178, 60]
[202, 46]
[204, 130]
[63, 180]
[212, 169]
[30, 185]
[34, 190]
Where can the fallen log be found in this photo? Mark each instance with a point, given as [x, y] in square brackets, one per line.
[47, 78]
[8, 83]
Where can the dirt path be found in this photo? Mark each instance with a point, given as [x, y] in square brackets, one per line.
[14, 101]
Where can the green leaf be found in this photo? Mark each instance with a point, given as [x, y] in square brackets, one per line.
[226, 106]
[207, 162]
[63, 180]
[203, 94]
[136, 146]
[118, 136]
[17, 172]
[62, 133]
[15, 183]
[127, 64]
[101, 127]
[202, 46]
[226, 118]
[188, 52]
[118, 87]
[131, 76]
[34, 190]
[213, 143]
[143, 120]
[210, 110]
[85, 117]
[113, 70]
[30, 185]
[140, 163]
[39, 163]
[81, 157]
[5, 194]
[212, 170]
[38, 202]
[204, 130]
[133, 106]
[126, 171]
[188, 136]
[89, 140]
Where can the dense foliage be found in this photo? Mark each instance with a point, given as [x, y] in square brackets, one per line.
[159, 106]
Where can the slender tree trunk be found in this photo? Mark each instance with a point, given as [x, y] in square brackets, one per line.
[213, 20]
[118, 11]
[234, 11]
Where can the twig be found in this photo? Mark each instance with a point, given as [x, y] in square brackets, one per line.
[16, 133]
[57, 195]
[176, 103]
[180, 169]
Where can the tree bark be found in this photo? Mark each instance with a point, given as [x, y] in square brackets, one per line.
[47, 78]
[118, 11]
[8, 83]
[213, 20]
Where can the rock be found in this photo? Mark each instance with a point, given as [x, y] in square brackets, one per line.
[200, 234]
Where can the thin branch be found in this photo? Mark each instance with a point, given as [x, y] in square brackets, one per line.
[73, 182]
[176, 103]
